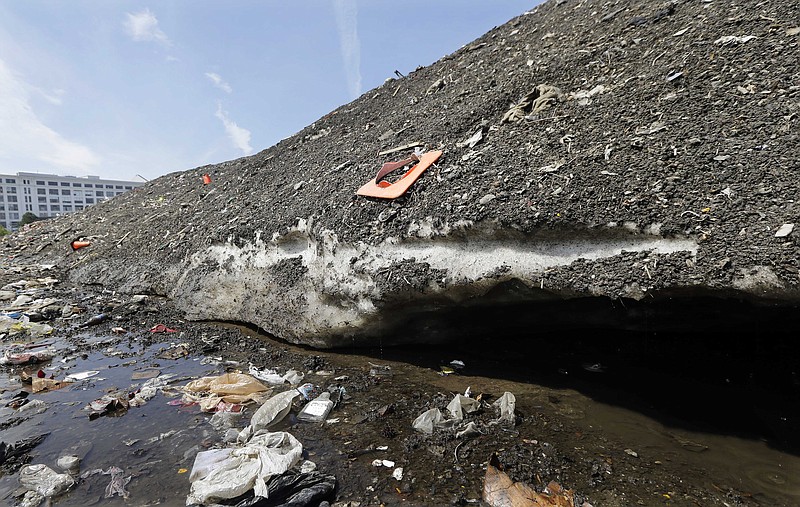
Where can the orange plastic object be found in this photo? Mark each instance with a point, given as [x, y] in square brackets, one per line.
[385, 190]
[206, 179]
[77, 245]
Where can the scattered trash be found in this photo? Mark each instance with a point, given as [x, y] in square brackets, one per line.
[380, 370]
[542, 97]
[674, 76]
[470, 431]
[430, 420]
[161, 328]
[383, 463]
[227, 388]
[265, 455]
[784, 230]
[293, 377]
[47, 384]
[398, 473]
[584, 97]
[506, 403]
[270, 413]
[69, 463]
[500, 491]
[594, 367]
[316, 410]
[269, 376]
[77, 245]
[473, 140]
[40, 356]
[380, 188]
[400, 148]
[176, 352]
[106, 404]
[631, 452]
[117, 484]
[436, 86]
[22, 324]
[44, 480]
[82, 375]
[118, 330]
[461, 404]
[97, 319]
[206, 179]
[734, 39]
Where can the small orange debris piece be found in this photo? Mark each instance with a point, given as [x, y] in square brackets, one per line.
[377, 187]
[499, 490]
[206, 179]
[77, 245]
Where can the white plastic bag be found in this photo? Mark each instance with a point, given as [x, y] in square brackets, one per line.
[461, 404]
[506, 403]
[44, 480]
[270, 413]
[250, 467]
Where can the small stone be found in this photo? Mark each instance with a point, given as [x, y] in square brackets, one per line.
[631, 452]
[486, 198]
[784, 231]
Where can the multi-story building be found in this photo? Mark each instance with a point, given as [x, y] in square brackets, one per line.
[48, 195]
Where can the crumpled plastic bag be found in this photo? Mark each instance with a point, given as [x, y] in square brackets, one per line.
[229, 388]
[461, 404]
[270, 413]
[265, 455]
[23, 324]
[149, 389]
[506, 403]
[44, 480]
[430, 420]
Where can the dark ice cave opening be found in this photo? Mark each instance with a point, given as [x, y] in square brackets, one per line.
[700, 362]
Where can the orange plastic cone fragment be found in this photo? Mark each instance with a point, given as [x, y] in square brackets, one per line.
[386, 190]
[77, 245]
[206, 179]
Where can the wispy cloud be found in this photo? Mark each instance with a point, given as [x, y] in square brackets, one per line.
[346, 14]
[240, 137]
[26, 142]
[143, 27]
[219, 82]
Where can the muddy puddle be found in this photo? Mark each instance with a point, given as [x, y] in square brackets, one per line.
[658, 425]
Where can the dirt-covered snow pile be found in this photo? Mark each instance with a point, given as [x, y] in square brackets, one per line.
[621, 149]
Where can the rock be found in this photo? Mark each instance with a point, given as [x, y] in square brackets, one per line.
[784, 230]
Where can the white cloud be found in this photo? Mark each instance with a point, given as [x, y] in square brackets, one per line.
[143, 27]
[346, 14]
[219, 82]
[240, 137]
[26, 143]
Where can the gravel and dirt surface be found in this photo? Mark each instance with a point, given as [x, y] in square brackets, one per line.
[672, 120]
[676, 120]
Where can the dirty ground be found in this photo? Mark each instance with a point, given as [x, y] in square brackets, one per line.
[564, 430]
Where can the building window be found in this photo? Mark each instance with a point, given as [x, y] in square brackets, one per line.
[10, 180]
[55, 207]
[52, 183]
[1, 198]
[1, 189]
[53, 191]
[54, 201]
[98, 186]
[127, 187]
[77, 185]
[89, 200]
[118, 187]
[41, 191]
[77, 193]
[42, 199]
[12, 190]
[98, 193]
[109, 194]
[43, 207]
[109, 186]
[12, 198]
[78, 208]
[66, 192]
[13, 207]
[26, 182]
[64, 184]
[40, 182]
[67, 208]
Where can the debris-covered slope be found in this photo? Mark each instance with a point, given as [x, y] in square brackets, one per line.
[653, 147]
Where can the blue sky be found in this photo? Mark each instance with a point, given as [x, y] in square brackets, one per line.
[118, 88]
